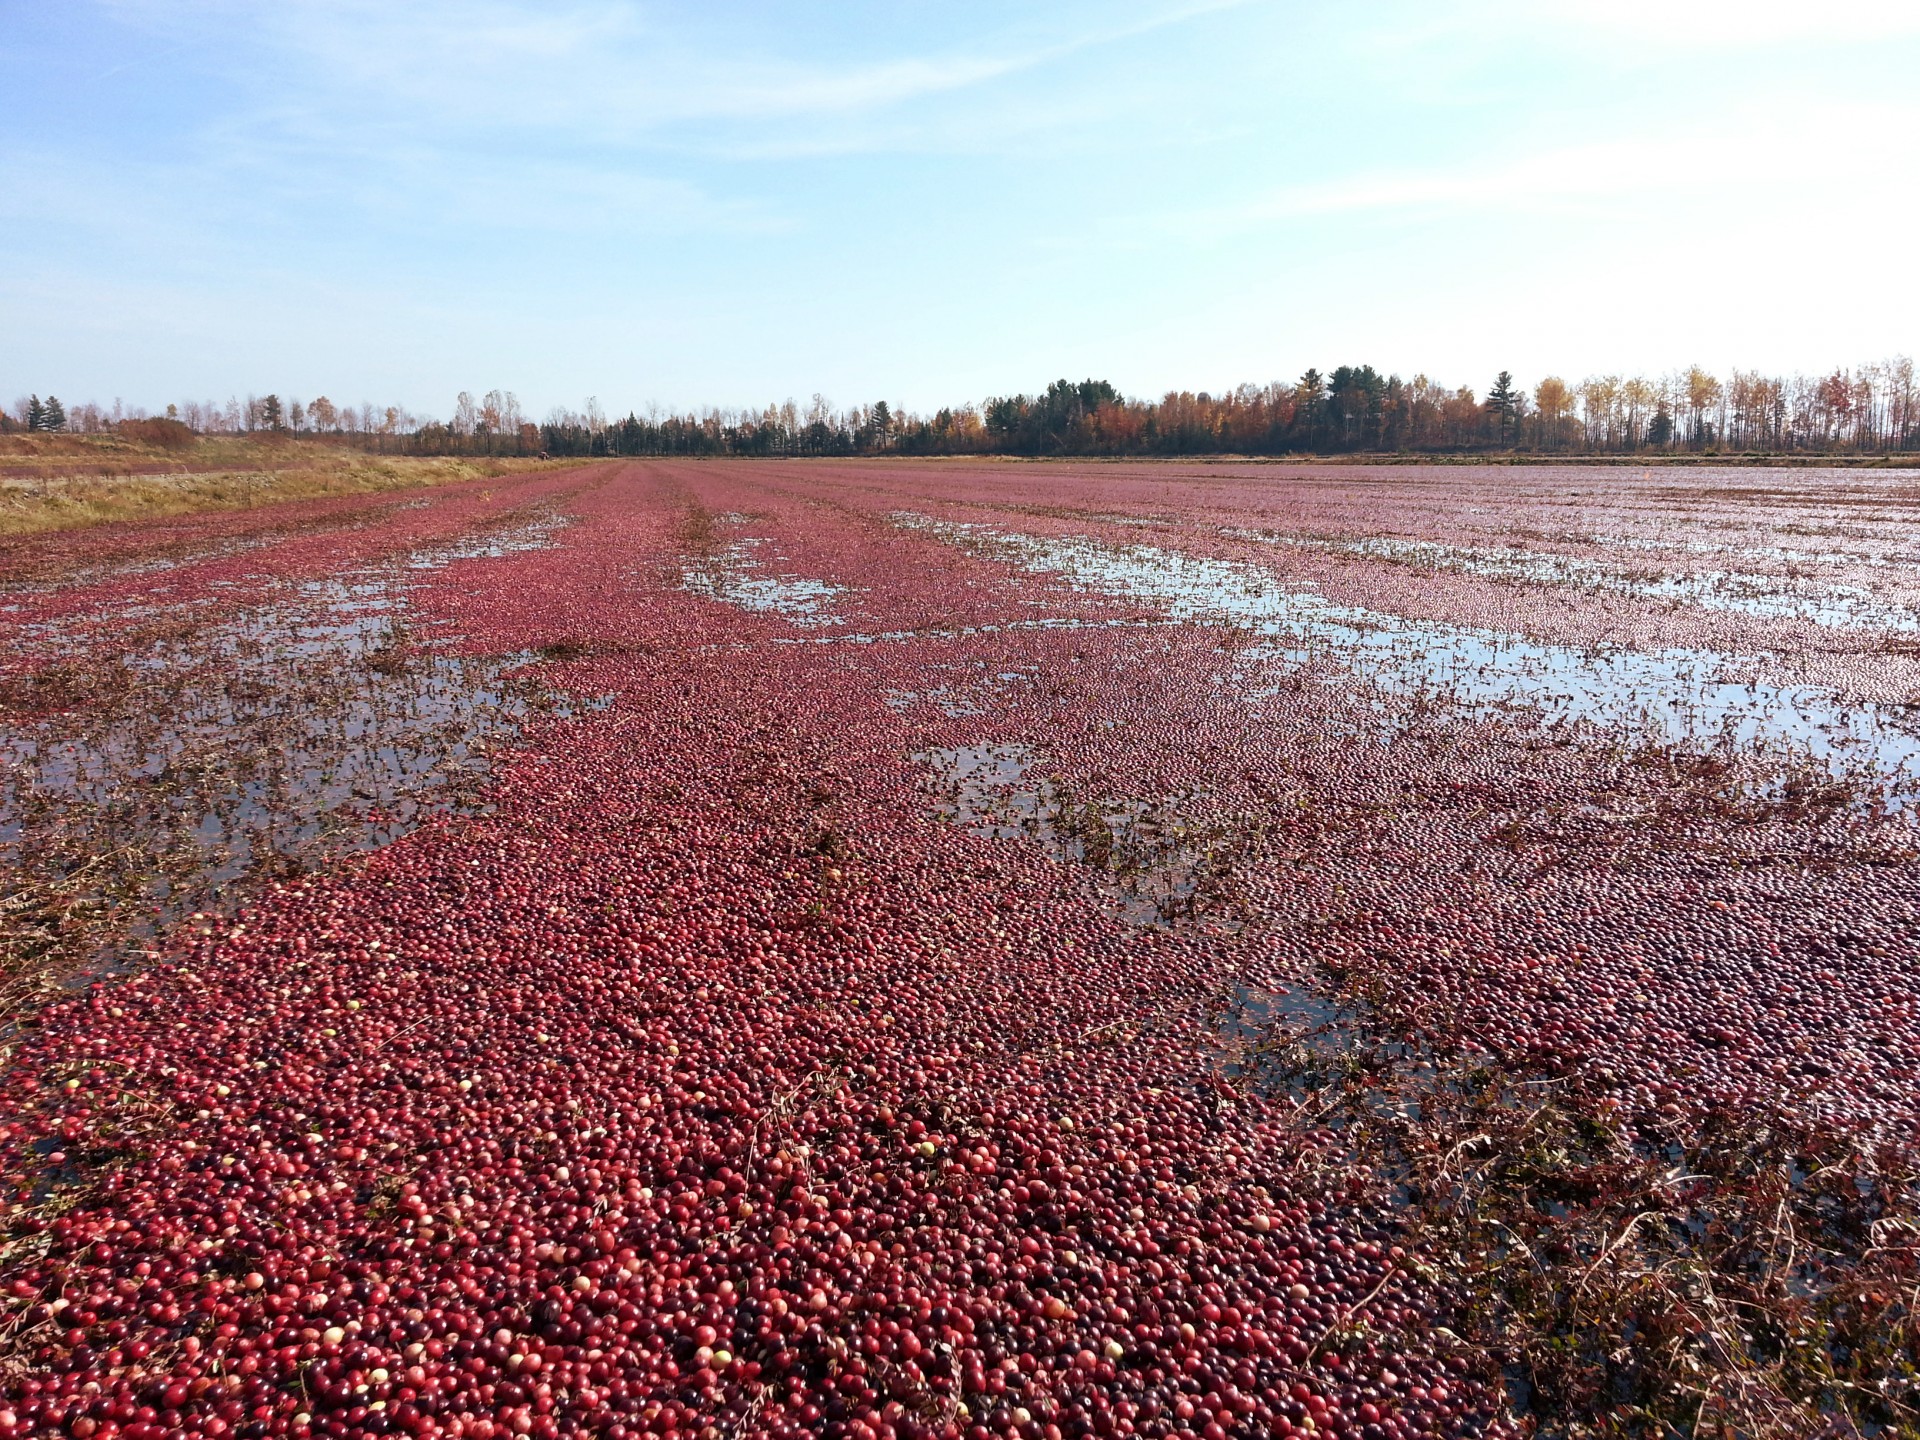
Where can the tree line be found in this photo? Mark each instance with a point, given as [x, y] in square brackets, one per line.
[1351, 409]
[1872, 409]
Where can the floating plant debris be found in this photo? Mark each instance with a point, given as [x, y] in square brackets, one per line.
[1155, 866]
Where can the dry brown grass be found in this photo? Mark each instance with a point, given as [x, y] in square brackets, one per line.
[65, 482]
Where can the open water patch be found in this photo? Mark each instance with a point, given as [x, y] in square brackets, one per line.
[1677, 697]
[130, 568]
[535, 533]
[1152, 865]
[239, 745]
[961, 632]
[1780, 554]
[975, 691]
[1286, 1039]
[1769, 597]
[738, 575]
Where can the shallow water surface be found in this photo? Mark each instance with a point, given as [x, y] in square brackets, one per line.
[1673, 696]
[1770, 597]
[252, 743]
[737, 575]
[1152, 867]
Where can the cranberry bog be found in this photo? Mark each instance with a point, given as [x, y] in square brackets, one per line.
[968, 949]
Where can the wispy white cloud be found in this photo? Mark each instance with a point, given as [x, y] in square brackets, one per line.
[1650, 31]
[583, 120]
[1873, 145]
[1733, 24]
[496, 169]
[614, 71]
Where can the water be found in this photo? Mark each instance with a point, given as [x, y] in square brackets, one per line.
[979, 695]
[735, 576]
[75, 579]
[536, 533]
[984, 790]
[1771, 597]
[1683, 697]
[1786, 555]
[1284, 1040]
[958, 632]
[1151, 867]
[254, 744]
[79, 633]
[950, 701]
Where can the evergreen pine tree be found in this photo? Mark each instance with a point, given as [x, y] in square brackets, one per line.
[1502, 403]
[56, 413]
[36, 414]
[1309, 398]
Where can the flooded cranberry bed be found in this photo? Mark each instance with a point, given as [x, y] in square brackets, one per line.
[978, 950]
[193, 755]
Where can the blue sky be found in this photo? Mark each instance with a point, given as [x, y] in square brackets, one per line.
[930, 202]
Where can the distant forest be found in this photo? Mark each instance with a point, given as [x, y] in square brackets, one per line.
[1353, 409]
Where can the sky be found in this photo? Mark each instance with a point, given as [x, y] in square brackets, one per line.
[686, 204]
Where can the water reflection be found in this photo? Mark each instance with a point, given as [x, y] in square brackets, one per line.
[1771, 597]
[1675, 696]
[1153, 866]
[734, 575]
[246, 746]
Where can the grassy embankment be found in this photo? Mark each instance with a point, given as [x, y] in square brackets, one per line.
[63, 482]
